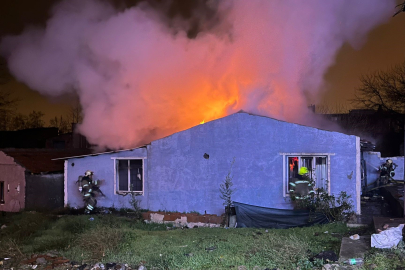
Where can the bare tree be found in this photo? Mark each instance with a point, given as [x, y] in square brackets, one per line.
[401, 8]
[18, 122]
[63, 124]
[384, 90]
[7, 108]
[34, 120]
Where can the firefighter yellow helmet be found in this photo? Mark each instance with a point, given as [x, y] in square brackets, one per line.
[88, 173]
[303, 170]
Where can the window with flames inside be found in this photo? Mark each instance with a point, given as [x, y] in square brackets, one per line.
[317, 170]
[129, 175]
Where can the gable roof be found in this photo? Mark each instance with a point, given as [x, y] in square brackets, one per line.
[42, 160]
[239, 112]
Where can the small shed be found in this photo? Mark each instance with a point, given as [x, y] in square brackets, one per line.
[30, 179]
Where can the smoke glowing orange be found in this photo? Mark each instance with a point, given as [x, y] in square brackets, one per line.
[139, 78]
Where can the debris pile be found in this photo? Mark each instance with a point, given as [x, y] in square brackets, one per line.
[55, 261]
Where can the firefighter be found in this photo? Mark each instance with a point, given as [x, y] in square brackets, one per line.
[386, 171]
[302, 187]
[88, 187]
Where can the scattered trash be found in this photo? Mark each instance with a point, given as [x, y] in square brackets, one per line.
[355, 237]
[110, 265]
[354, 261]
[82, 267]
[266, 230]
[34, 266]
[211, 248]
[326, 232]
[326, 256]
[41, 260]
[3, 226]
[330, 266]
[91, 219]
[189, 254]
[141, 267]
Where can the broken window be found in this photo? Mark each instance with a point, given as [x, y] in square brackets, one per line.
[2, 192]
[317, 169]
[129, 175]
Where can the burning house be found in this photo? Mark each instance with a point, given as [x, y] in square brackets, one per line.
[183, 172]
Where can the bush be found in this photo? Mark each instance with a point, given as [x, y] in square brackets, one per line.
[338, 208]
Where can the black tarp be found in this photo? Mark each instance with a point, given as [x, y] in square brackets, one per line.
[250, 216]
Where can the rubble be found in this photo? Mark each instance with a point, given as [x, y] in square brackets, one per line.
[54, 261]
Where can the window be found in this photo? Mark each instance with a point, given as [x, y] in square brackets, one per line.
[129, 175]
[2, 192]
[317, 169]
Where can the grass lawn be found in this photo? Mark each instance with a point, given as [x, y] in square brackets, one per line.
[112, 238]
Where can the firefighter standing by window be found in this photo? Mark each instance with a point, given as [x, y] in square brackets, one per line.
[303, 186]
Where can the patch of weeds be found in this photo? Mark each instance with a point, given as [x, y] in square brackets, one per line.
[380, 259]
[24, 225]
[135, 202]
[140, 225]
[74, 225]
[49, 241]
[99, 240]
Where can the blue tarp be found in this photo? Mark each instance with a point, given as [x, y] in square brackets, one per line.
[251, 216]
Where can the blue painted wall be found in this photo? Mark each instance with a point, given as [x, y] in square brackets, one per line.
[179, 178]
[373, 162]
[103, 167]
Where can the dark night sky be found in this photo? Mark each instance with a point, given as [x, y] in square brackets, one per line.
[384, 48]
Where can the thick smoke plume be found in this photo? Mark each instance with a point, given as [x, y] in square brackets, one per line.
[140, 76]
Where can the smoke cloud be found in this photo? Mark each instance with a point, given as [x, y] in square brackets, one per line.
[140, 76]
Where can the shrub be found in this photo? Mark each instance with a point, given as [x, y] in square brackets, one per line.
[227, 191]
[338, 208]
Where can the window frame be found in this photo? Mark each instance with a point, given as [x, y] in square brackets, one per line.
[2, 192]
[115, 163]
[285, 157]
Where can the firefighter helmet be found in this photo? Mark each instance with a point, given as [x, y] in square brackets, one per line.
[88, 173]
[303, 170]
[389, 161]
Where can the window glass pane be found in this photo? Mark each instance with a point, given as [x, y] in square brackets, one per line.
[292, 170]
[317, 169]
[136, 174]
[1, 192]
[321, 172]
[123, 175]
[307, 162]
